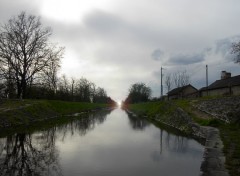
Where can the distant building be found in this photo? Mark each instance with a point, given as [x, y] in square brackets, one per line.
[187, 91]
[227, 85]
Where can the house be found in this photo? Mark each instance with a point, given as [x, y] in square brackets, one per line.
[187, 91]
[227, 85]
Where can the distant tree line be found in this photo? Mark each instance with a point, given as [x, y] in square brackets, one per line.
[29, 65]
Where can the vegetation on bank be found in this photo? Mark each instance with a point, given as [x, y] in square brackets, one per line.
[229, 132]
[16, 112]
[30, 64]
[151, 109]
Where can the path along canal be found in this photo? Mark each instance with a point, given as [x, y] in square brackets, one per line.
[106, 143]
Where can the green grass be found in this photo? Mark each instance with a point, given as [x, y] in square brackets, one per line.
[151, 108]
[16, 112]
[230, 133]
[64, 107]
[162, 112]
[39, 126]
[186, 105]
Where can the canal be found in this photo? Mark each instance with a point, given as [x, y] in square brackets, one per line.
[106, 143]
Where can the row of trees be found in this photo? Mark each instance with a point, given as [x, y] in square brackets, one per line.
[78, 90]
[29, 65]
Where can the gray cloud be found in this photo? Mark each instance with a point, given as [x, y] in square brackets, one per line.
[157, 54]
[102, 22]
[115, 47]
[224, 47]
[9, 8]
[186, 59]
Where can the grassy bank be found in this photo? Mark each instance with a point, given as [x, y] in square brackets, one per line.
[15, 112]
[229, 132]
[164, 112]
[151, 109]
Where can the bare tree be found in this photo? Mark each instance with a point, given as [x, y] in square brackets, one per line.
[93, 91]
[49, 74]
[176, 79]
[24, 49]
[168, 81]
[72, 86]
[236, 50]
[185, 78]
[181, 78]
[65, 84]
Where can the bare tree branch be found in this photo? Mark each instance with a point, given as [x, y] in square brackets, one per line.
[236, 50]
[24, 48]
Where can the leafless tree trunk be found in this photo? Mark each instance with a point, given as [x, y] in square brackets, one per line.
[168, 81]
[49, 74]
[25, 49]
[236, 50]
[72, 83]
[181, 78]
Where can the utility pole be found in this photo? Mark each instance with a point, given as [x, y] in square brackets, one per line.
[207, 78]
[161, 83]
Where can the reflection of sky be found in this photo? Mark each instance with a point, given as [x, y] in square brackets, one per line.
[114, 148]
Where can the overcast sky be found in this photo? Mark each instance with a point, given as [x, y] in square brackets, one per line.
[115, 43]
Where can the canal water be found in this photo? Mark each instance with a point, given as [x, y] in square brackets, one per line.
[106, 143]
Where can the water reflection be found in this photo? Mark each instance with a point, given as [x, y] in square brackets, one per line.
[168, 142]
[83, 125]
[36, 154]
[29, 155]
[137, 123]
[100, 144]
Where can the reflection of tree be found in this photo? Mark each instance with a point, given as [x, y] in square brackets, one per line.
[82, 125]
[137, 123]
[1, 146]
[176, 143]
[36, 154]
[25, 154]
[170, 142]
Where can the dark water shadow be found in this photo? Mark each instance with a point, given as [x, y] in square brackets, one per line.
[140, 123]
[170, 139]
[57, 121]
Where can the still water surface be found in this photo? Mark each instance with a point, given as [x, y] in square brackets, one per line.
[107, 143]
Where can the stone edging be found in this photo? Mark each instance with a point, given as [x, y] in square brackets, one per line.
[214, 159]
